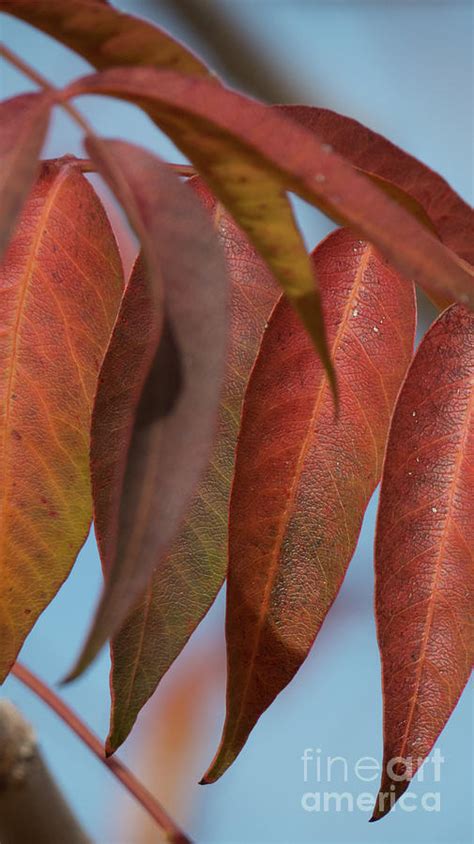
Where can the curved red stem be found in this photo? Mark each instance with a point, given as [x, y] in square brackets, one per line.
[132, 784]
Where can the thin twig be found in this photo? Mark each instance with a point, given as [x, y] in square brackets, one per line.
[85, 165]
[40, 80]
[134, 786]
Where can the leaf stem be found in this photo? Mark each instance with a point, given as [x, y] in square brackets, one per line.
[44, 83]
[121, 772]
[88, 166]
[186, 170]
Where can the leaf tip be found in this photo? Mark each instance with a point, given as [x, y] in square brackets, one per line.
[109, 748]
[386, 798]
[211, 776]
[310, 311]
[68, 678]
[377, 815]
[77, 669]
[218, 766]
[116, 736]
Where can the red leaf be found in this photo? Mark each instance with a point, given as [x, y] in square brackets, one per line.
[23, 124]
[61, 282]
[303, 479]
[452, 218]
[190, 575]
[153, 427]
[424, 546]
[104, 35]
[250, 154]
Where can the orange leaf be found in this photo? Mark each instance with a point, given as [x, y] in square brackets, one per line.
[302, 478]
[61, 282]
[190, 575]
[23, 124]
[104, 35]
[424, 550]
[156, 406]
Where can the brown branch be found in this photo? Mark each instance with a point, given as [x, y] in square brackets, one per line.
[238, 55]
[137, 790]
[32, 808]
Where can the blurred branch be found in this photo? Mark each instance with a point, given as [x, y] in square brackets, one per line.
[173, 833]
[239, 56]
[32, 809]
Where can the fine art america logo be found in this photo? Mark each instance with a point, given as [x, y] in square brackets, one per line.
[337, 785]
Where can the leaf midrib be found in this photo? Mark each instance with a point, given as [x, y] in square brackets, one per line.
[436, 574]
[27, 276]
[296, 479]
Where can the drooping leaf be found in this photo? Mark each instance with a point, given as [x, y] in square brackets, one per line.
[104, 35]
[190, 575]
[303, 478]
[128, 170]
[23, 124]
[155, 438]
[424, 550]
[60, 285]
[250, 155]
[452, 218]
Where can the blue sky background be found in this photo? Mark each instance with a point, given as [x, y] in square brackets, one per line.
[406, 70]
